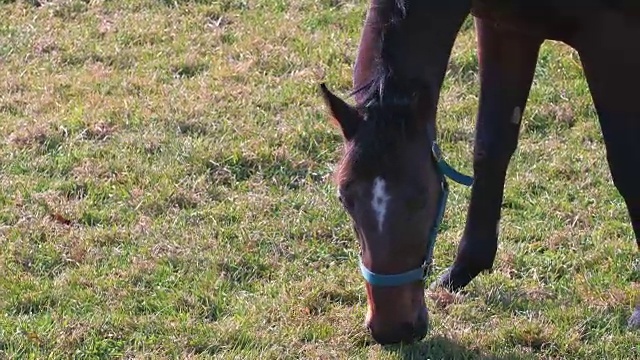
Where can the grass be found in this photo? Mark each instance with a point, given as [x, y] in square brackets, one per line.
[165, 171]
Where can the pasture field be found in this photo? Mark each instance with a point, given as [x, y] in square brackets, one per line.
[165, 176]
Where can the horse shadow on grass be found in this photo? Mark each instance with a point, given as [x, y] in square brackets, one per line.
[441, 348]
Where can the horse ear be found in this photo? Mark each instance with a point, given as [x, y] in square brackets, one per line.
[345, 115]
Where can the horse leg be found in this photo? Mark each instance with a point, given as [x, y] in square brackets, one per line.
[507, 61]
[610, 57]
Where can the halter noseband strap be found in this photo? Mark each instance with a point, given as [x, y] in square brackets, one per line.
[423, 271]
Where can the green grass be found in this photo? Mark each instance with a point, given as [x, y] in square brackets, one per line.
[165, 171]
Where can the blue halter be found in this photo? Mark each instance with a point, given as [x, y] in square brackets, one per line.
[423, 271]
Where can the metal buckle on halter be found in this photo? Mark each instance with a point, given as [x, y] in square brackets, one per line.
[435, 150]
[426, 268]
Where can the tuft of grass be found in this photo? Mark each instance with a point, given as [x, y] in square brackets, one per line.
[166, 192]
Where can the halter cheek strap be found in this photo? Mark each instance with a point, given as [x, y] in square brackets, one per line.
[419, 274]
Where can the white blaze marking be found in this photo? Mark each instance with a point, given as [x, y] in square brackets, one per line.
[517, 115]
[380, 200]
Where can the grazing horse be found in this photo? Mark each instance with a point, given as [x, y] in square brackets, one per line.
[392, 178]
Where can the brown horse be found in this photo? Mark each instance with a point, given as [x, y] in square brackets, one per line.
[394, 191]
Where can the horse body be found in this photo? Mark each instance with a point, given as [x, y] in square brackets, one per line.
[552, 20]
[402, 58]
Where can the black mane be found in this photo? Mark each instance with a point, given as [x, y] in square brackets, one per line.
[378, 91]
[388, 91]
[387, 101]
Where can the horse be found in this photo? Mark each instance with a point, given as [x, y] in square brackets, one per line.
[392, 178]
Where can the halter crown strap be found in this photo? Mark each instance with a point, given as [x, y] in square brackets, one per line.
[447, 170]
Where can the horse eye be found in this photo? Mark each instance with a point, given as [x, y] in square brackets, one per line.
[341, 197]
[346, 203]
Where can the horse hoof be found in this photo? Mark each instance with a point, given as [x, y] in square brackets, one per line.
[634, 320]
[456, 277]
[444, 281]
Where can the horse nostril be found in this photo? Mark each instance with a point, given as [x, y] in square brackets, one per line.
[421, 326]
[367, 326]
[420, 330]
